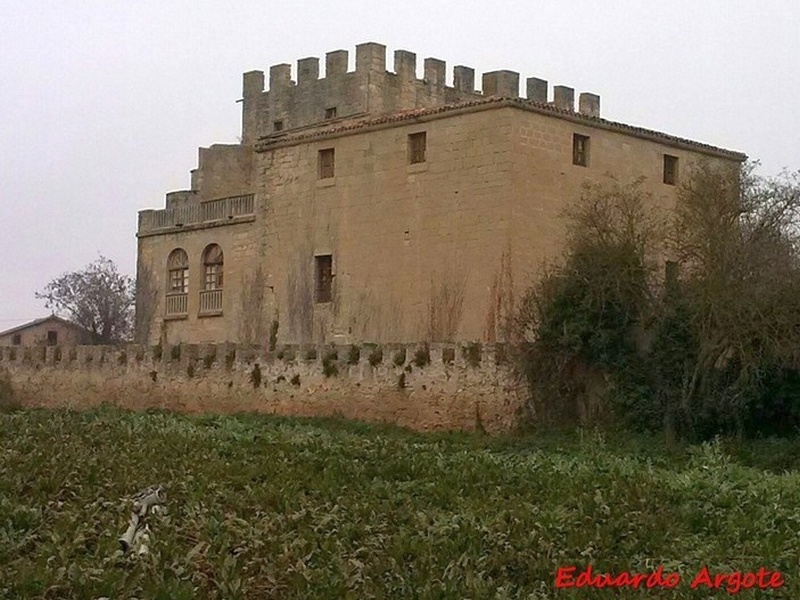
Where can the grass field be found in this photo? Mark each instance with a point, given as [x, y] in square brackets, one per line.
[263, 507]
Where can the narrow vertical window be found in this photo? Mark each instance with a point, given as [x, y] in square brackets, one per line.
[211, 294]
[580, 150]
[212, 264]
[52, 338]
[330, 113]
[670, 169]
[324, 278]
[326, 163]
[277, 126]
[17, 339]
[177, 301]
[417, 144]
[178, 265]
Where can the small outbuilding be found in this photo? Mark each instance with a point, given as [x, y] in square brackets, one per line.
[48, 331]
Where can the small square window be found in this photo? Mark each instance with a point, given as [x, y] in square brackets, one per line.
[324, 277]
[277, 126]
[580, 150]
[52, 338]
[417, 144]
[17, 339]
[670, 169]
[330, 113]
[326, 163]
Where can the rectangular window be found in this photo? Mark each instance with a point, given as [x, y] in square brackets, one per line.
[580, 150]
[179, 281]
[52, 338]
[17, 339]
[213, 277]
[324, 278]
[326, 163]
[277, 126]
[330, 113]
[417, 144]
[670, 169]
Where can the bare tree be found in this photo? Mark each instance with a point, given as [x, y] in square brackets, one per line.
[98, 298]
[501, 301]
[579, 320]
[737, 239]
[711, 347]
[446, 303]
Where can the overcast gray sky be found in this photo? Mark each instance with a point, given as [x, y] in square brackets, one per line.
[104, 102]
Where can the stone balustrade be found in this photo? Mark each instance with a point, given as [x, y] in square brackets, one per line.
[200, 214]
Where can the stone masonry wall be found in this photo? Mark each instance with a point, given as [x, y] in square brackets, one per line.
[405, 239]
[372, 89]
[460, 387]
[36, 335]
[239, 243]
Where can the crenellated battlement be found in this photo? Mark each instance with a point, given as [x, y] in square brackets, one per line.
[371, 89]
[423, 386]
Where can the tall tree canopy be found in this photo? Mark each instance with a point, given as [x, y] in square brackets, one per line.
[98, 298]
[688, 319]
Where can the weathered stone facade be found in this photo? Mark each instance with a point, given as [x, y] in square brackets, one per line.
[374, 206]
[48, 331]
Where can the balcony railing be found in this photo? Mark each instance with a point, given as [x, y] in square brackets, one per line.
[204, 212]
[177, 305]
[210, 302]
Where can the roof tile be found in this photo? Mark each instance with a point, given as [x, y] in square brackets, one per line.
[362, 122]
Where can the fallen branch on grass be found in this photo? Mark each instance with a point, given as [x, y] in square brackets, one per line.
[151, 500]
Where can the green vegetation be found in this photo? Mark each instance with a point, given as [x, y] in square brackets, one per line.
[472, 354]
[353, 355]
[8, 401]
[330, 368]
[422, 356]
[273, 335]
[98, 298]
[399, 358]
[264, 507]
[376, 356]
[686, 321]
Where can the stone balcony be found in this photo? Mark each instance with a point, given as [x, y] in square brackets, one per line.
[213, 213]
[177, 306]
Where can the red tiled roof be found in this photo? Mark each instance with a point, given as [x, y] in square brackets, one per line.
[344, 126]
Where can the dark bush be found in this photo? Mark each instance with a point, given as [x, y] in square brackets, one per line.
[329, 366]
[472, 354]
[399, 358]
[376, 356]
[422, 356]
[8, 400]
[353, 355]
[255, 376]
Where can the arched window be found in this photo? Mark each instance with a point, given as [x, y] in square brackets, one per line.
[177, 301]
[212, 264]
[178, 267]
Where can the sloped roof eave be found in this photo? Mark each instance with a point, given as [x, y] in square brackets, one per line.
[36, 322]
[359, 123]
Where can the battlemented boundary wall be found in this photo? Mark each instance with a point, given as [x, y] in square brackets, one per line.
[420, 386]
